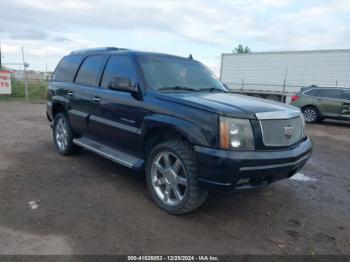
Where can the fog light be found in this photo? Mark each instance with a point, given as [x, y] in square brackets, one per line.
[243, 181]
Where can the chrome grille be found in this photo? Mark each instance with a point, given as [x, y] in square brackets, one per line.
[281, 132]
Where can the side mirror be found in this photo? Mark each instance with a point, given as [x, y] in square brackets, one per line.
[121, 84]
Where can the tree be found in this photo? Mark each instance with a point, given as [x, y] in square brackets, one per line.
[241, 50]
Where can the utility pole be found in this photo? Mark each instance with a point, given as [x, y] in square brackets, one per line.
[25, 74]
[284, 85]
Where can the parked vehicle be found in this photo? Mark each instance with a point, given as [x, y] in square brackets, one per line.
[272, 75]
[318, 103]
[168, 116]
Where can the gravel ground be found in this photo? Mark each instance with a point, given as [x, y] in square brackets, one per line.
[84, 204]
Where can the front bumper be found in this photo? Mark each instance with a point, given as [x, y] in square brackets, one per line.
[238, 170]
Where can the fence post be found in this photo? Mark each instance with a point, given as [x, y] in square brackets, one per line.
[25, 75]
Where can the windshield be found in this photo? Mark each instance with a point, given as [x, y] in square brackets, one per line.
[178, 74]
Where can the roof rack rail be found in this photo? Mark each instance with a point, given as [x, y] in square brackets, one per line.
[98, 49]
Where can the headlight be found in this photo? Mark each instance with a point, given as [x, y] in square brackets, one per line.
[236, 133]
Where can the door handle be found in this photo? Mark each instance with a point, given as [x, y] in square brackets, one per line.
[96, 99]
[70, 93]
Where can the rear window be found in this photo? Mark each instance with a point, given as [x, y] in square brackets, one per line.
[347, 95]
[89, 70]
[312, 92]
[330, 93]
[65, 69]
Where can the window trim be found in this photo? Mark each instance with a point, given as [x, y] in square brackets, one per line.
[330, 89]
[99, 73]
[325, 88]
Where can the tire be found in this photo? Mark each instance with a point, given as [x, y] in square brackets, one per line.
[162, 182]
[257, 95]
[273, 98]
[311, 114]
[63, 135]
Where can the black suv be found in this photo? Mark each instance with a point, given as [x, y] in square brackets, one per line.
[170, 117]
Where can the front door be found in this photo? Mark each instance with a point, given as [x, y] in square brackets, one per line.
[117, 115]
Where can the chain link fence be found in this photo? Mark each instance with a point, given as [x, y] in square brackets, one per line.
[37, 90]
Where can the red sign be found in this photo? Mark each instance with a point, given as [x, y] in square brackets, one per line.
[5, 82]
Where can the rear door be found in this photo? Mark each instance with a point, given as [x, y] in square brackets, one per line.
[85, 82]
[330, 102]
[62, 78]
[117, 115]
[346, 105]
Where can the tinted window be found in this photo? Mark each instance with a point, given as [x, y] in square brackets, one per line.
[89, 70]
[330, 93]
[121, 66]
[65, 69]
[312, 92]
[346, 94]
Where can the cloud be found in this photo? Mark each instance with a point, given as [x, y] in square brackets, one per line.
[61, 39]
[212, 27]
[28, 35]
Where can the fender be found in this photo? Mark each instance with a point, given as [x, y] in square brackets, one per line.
[193, 133]
[61, 100]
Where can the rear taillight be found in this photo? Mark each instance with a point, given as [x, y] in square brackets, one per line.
[295, 98]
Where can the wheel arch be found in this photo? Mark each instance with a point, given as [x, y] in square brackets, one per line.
[58, 107]
[313, 106]
[160, 128]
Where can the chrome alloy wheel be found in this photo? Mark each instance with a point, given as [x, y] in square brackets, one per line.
[310, 115]
[169, 179]
[61, 134]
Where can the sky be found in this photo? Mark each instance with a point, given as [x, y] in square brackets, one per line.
[48, 30]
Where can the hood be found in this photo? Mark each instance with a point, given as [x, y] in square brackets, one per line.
[228, 104]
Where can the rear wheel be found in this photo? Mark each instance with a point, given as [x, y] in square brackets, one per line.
[257, 95]
[63, 135]
[172, 178]
[273, 98]
[311, 114]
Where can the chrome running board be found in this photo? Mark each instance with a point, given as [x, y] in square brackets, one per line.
[116, 156]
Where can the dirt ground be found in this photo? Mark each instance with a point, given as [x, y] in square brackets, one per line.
[85, 204]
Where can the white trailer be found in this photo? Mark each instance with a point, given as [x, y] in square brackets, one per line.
[279, 75]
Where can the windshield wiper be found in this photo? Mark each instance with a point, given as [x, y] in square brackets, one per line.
[181, 88]
[212, 89]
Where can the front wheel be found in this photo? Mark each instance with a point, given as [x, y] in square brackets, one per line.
[172, 178]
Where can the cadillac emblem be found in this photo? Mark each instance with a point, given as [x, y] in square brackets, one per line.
[288, 131]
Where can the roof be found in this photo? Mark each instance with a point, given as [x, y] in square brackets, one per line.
[97, 50]
[103, 50]
[323, 87]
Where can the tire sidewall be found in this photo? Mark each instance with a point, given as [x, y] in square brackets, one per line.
[316, 112]
[69, 133]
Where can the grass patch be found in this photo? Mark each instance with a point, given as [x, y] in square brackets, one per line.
[37, 90]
